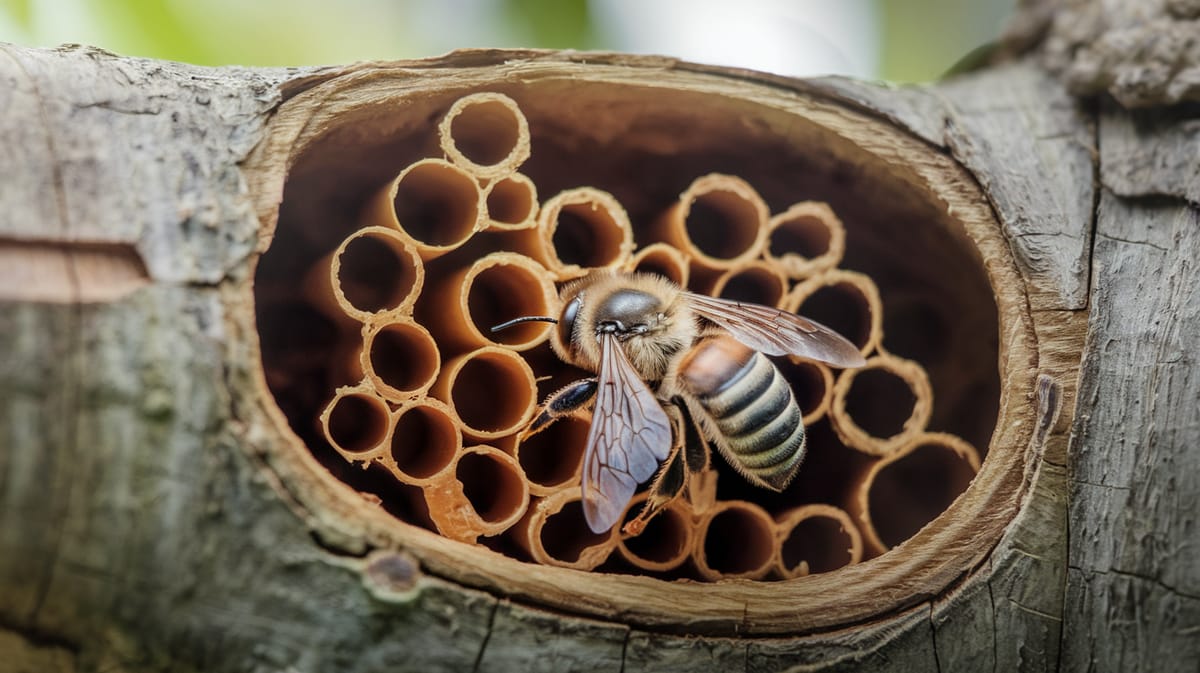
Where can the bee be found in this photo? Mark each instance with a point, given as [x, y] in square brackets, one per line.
[676, 374]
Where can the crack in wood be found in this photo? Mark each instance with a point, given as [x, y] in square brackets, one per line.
[937, 659]
[487, 637]
[1128, 574]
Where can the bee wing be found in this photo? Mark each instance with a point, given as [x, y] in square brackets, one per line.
[775, 332]
[630, 435]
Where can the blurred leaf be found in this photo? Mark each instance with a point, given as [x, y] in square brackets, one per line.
[555, 24]
[20, 11]
[150, 28]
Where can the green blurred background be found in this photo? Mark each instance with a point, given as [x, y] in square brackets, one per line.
[898, 40]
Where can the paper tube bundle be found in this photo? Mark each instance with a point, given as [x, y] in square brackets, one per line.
[452, 246]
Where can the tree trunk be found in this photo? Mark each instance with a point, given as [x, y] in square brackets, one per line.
[157, 515]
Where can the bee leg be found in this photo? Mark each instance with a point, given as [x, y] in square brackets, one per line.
[697, 458]
[562, 402]
[671, 476]
[696, 447]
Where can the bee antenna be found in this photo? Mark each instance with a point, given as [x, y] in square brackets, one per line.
[528, 318]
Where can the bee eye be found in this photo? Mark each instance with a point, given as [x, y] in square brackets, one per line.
[566, 323]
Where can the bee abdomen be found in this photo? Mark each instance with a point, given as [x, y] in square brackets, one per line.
[751, 406]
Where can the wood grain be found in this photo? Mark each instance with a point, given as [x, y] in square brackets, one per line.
[154, 516]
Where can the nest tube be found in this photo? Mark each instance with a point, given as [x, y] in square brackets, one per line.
[510, 203]
[461, 308]
[553, 458]
[554, 532]
[356, 423]
[491, 392]
[486, 134]
[583, 229]
[437, 205]
[816, 538]
[399, 358]
[757, 281]
[375, 271]
[734, 539]
[667, 541]
[663, 260]
[846, 301]
[719, 222]
[483, 493]
[811, 383]
[880, 407]
[423, 442]
[900, 493]
[805, 240]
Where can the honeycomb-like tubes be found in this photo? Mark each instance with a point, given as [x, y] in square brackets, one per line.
[902, 492]
[556, 533]
[583, 229]
[816, 538]
[434, 203]
[665, 544]
[511, 203]
[805, 240]
[735, 539]
[719, 222]
[461, 308]
[486, 134]
[375, 272]
[483, 494]
[400, 358]
[439, 403]
[892, 393]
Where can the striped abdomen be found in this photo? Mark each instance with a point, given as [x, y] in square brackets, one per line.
[750, 408]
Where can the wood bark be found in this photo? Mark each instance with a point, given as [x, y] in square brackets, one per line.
[138, 532]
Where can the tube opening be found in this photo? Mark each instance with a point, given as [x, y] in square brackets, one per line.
[424, 440]
[661, 259]
[841, 307]
[553, 457]
[816, 544]
[356, 422]
[495, 490]
[723, 224]
[758, 284]
[664, 543]
[802, 235]
[375, 272]
[505, 291]
[738, 540]
[565, 535]
[403, 358]
[486, 132]
[916, 487]
[880, 402]
[492, 392]
[512, 201]
[437, 204]
[586, 236]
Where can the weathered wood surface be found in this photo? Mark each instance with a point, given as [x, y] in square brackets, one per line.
[136, 533]
[1141, 52]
